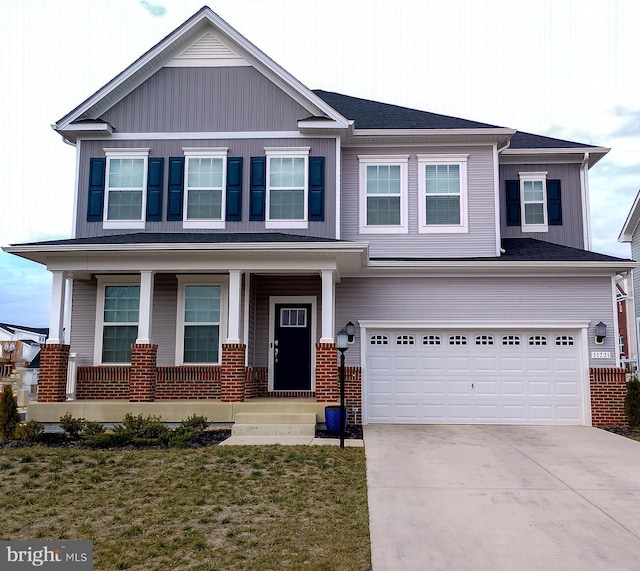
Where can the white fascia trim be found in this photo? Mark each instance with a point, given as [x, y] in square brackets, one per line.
[206, 135]
[500, 266]
[594, 153]
[97, 127]
[474, 324]
[631, 222]
[424, 132]
[319, 124]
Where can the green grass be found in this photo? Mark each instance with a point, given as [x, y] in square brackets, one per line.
[215, 508]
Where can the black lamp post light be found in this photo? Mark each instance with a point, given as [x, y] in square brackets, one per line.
[343, 338]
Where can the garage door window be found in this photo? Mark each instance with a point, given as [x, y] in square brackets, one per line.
[539, 340]
[457, 340]
[511, 340]
[405, 340]
[564, 340]
[379, 340]
[431, 340]
[484, 340]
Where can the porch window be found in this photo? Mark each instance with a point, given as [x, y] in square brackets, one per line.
[118, 320]
[201, 320]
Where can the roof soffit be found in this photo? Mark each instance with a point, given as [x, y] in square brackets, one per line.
[176, 43]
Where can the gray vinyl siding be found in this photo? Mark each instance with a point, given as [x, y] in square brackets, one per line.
[83, 320]
[476, 299]
[479, 241]
[571, 232]
[163, 324]
[205, 99]
[245, 148]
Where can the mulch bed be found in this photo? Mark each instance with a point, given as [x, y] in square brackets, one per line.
[353, 431]
[625, 431]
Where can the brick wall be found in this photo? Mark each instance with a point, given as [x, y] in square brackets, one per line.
[52, 385]
[353, 393]
[326, 372]
[233, 373]
[142, 376]
[608, 389]
[256, 382]
[105, 382]
[188, 382]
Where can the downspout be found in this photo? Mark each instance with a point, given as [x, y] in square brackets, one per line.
[338, 193]
[586, 214]
[496, 190]
[616, 333]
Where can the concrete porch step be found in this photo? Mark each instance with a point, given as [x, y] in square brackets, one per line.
[269, 424]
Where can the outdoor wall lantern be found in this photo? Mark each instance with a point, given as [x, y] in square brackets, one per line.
[601, 332]
[351, 331]
[342, 343]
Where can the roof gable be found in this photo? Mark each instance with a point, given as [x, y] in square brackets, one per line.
[631, 223]
[203, 36]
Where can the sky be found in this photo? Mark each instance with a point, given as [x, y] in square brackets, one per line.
[561, 68]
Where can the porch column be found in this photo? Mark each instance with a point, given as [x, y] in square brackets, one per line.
[146, 308]
[56, 321]
[235, 290]
[328, 306]
[52, 385]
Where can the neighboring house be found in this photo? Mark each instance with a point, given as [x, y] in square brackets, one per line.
[21, 343]
[630, 234]
[229, 221]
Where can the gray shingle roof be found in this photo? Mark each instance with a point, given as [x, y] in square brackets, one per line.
[375, 115]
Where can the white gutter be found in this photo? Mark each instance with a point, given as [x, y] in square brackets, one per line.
[496, 192]
[586, 213]
[338, 193]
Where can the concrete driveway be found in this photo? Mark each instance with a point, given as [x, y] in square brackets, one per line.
[502, 498]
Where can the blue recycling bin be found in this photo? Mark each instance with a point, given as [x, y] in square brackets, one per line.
[332, 419]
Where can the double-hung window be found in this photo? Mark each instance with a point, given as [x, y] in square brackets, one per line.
[205, 192]
[383, 194]
[533, 201]
[116, 319]
[442, 180]
[201, 319]
[125, 188]
[287, 187]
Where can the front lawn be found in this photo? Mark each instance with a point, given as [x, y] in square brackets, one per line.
[214, 508]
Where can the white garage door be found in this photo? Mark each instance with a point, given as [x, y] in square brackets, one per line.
[493, 377]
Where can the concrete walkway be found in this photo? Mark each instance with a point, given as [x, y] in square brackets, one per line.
[502, 498]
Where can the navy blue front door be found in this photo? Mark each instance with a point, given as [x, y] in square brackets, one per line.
[292, 347]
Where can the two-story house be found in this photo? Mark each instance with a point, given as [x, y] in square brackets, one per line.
[229, 220]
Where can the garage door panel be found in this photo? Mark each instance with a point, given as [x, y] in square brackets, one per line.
[475, 376]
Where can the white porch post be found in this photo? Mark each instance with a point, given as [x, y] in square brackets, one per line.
[235, 290]
[328, 306]
[146, 308]
[56, 319]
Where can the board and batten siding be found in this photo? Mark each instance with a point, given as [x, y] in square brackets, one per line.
[571, 231]
[245, 148]
[206, 99]
[479, 241]
[478, 299]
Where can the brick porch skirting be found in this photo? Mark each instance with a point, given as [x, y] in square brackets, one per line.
[608, 390]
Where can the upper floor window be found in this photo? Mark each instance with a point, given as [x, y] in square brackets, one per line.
[205, 193]
[533, 201]
[287, 187]
[125, 185]
[442, 180]
[383, 194]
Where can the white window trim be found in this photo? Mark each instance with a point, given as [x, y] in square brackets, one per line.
[125, 224]
[201, 153]
[533, 176]
[287, 152]
[384, 160]
[185, 280]
[449, 159]
[104, 281]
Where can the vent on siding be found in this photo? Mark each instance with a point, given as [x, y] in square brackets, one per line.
[405, 340]
[208, 51]
[457, 340]
[378, 340]
[484, 339]
[431, 340]
[537, 340]
[511, 340]
[564, 340]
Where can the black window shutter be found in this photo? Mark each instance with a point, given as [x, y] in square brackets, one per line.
[513, 202]
[97, 168]
[258, 188]
[554, 203]
[176, 188]
[155, 176]
[234, 189]
[316, 188]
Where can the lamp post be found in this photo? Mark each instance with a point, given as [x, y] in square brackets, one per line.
[342, 343]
